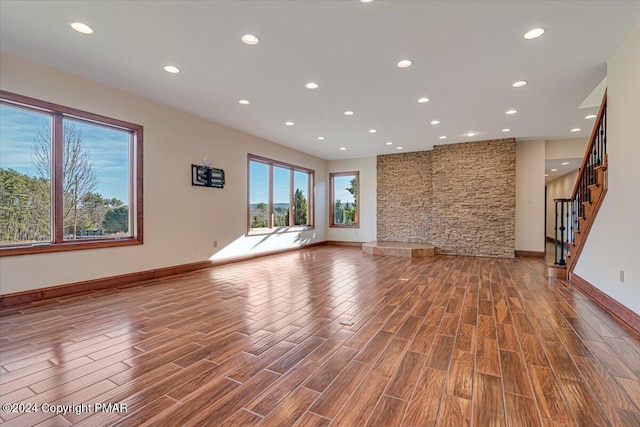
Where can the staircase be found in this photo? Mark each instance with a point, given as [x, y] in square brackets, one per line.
[576, 215]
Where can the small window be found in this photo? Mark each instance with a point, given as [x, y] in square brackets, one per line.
[280, 195]
[344, 199]
[68, 179]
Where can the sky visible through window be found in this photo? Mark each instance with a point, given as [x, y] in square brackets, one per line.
[108, 148]
[258, 176]
[340, 184]
[301, 182]
[281, 185]
[259, 185]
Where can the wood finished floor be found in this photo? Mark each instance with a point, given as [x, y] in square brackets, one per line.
[446, 341]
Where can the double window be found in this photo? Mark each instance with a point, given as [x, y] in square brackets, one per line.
[280, 195]
[68, 179]
[344, 199]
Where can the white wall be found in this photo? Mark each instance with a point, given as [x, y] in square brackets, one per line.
[176, 215]
[366, 200]
[566, 148]
[560, 188]
[530, 195]
[614, 241]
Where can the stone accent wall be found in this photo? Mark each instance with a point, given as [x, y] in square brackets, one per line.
[404, 197]
[474, 206]
[459, 197]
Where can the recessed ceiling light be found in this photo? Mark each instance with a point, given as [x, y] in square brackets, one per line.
[366, 1]
[510, 112]
[520, 83]
[250, 39]
[435, 122]
[575, 130]
[343, 148]
[423, 100]
[442, 137]
[321, 138]
[372, 131]
[312, 85]
[81, 28]
[546, 174]
[534, 33]
[348, 113]
[171, 69]
[388, 143]
[471, 134]
[405, 63]
[554, 170]
[565, 163]
[506, 130]
[289, 123]
[399, 148]
[244, 102]
[590, 116]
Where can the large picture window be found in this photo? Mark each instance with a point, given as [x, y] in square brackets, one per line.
[280, 195]
[68, 179]
[344, 199]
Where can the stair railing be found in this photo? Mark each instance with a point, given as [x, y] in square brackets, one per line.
[594, 163]
[594, 157]
[563, 229]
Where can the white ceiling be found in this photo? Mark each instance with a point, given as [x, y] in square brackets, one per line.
[560, 169]
[466, 55]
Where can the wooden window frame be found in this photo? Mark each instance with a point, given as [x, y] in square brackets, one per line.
[57, 114]
[332, 176]
[270, 217]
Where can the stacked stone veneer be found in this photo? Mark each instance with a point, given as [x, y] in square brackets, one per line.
[460, 197]
[404, 197]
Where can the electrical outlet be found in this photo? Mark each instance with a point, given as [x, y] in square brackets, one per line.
[196, 246]
[622, 276]
[215, 244]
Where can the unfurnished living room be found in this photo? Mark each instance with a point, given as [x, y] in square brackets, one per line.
[319, 213]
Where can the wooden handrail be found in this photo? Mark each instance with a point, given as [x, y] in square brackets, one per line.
[590, 188]
[592, 140]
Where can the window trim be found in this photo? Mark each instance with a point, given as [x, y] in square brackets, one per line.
[58, 244]
[310, 200]
[332, 176]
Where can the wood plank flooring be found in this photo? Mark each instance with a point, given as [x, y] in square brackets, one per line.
[447, 341]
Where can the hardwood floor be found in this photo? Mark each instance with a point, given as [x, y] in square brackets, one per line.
[446, 341]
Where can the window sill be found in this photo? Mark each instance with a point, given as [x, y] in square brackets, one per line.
[41, 248]
[279, 230]
[344, 226]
